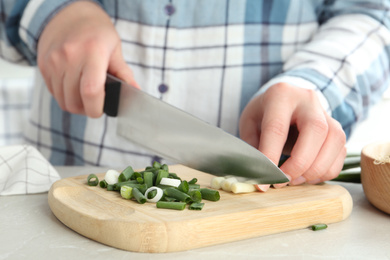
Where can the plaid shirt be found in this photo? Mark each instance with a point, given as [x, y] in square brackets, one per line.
[209, 58]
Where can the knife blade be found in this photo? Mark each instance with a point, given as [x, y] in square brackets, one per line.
[183, 138]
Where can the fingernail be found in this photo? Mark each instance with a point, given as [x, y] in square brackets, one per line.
[298, 181]
[280, 185]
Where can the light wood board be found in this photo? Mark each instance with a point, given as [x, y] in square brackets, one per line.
[107, 218]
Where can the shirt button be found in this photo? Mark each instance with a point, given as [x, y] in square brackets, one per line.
[162, 88]
[169, 9]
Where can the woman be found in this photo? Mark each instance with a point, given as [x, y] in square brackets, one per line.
[290, 77]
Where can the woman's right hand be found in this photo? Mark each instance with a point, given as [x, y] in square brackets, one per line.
[75, 51]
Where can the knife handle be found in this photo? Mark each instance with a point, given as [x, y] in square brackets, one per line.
[111, 100]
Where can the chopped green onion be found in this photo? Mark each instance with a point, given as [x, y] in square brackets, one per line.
[171, 205]
[110, 187]
[151, 194]
[126, 192]
[175, 193]
[137, 194]
[137, 175]
[173, 176]
[161, 174]
[111, 176]
[158, 195]
[92, 180]
[131, 183]
[103, 184]
[140, 180]
[166, 198]
[170, 182]
[196, 206]
[196, 195]
[164, 167]
[193, 181]
[193, 186]
[209, 194]
[184, 187]
[319, 227]
[126, 174]
[156, 165]
[148, 179]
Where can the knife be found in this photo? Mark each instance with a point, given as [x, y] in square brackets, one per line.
[183, 138]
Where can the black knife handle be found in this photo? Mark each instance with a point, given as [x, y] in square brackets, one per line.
[111, 100]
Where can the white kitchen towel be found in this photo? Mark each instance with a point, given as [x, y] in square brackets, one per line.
[23, 170]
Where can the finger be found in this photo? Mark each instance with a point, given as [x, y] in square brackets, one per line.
[92, 81]
[337, 166]
[249, 132]
[329, 153]
[334, 170]
[118, 68]
[313, 129]
[72, 95]
[274, 130]
[58, 91]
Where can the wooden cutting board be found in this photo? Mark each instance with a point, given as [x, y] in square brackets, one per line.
[105, 217]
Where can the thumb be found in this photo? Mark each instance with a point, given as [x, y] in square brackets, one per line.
[119, 68]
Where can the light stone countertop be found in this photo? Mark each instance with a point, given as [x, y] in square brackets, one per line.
[29, 230]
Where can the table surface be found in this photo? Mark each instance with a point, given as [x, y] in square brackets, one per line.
[29, 229]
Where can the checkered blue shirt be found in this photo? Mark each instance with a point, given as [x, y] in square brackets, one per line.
[209, 58]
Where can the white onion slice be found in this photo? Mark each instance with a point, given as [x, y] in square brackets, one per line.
[111, 176]
[158, 195]
[170, 182]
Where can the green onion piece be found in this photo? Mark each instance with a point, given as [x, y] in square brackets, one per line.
[131, 183]
[142, 188]
[173, 176]
[165, 198]
[149, 168]
[161, 186]
[193, 181]
[184, 187]
[139, 196]
[196, 206]
[140, 180]
[126, 192]
[161, 174]
[193, 186]
[92, 180]
[148, 179]
[171, 205]
[137, 175]
[126, 174]
[164, 167]
[151, 194]
[156, 165]
[196, 195]
[319, 227]
[103, 184]
[175, 193]
[209, 194]
[110, 187]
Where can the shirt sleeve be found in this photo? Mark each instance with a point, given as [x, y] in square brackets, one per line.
[22, 24]
[346, 62]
